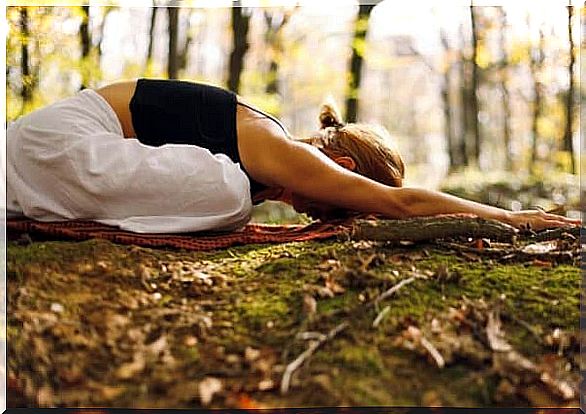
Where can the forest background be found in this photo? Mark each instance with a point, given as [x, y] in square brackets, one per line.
[482, 101]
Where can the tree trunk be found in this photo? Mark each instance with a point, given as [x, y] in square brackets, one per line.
[27, 82]
[474, 107]
[464, 108]
[358, 43]
[447, 108]
[275, 22]
[535, 64]
[172, 61]
[240, 26]
[151, 33]
[503, 76]
[568, 144]
[182, 56]
[85, 42]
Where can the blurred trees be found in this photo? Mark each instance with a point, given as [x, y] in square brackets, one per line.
[85, 41]
[29, 75]
[500, 91]
[172, 56]
[240, 28]
[568, 143]
[275, 21]
[355, 71]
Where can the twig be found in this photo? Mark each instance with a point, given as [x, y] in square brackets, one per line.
[395, 288]
[304, 336]
[294, 366]
[439, 360]
[380, 316]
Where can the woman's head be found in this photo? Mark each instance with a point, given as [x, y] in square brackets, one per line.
[369, 146]
[366, 149]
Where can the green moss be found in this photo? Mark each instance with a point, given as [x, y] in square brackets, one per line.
[358, 358]
[265, 283]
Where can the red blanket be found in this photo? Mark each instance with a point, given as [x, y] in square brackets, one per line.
[252, 233]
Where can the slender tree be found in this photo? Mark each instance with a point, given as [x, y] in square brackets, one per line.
[474, 85]
[85, 43]
[182, 55]
[26, 92]
[503, 76]
[447, 107]
[568, 142]
[536, 63]
[172, 60]
[462, 148]
[240, 28]
[154, 11]
[358, 46]
[275, 22]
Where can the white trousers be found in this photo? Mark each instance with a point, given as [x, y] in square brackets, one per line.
[69, 160]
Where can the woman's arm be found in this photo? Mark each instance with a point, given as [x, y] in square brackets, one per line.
[306, 171]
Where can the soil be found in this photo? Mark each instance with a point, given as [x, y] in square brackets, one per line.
[98, 324]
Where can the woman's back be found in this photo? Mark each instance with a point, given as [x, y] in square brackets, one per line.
[118, 95]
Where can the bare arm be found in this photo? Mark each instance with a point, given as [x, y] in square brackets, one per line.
[308, 172]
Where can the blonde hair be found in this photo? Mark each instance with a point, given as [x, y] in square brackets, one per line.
[370, 146]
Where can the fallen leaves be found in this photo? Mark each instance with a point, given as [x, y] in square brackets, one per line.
[456, 336]
[132, 368]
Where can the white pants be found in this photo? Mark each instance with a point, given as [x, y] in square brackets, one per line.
[69, 160]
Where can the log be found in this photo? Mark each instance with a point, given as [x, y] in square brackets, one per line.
[560, 233]
[431, 228]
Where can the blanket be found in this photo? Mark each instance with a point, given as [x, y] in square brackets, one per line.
[250, 234]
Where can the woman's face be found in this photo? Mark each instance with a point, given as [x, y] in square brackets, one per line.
[314, 209]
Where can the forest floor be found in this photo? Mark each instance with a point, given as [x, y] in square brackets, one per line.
[99, 324]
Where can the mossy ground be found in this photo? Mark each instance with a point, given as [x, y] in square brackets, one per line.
[100, 324]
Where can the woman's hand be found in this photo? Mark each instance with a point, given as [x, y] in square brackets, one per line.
[539, 220]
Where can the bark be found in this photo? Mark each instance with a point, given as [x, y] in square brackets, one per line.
[27, 81]
[430, 228]
[473, 98]
[464, 109]
[360, 31]
[503, 72]
[85, 42]
[568, 144]
[240, 27]
[151, 33]
[172, 60]
[536, 65]
[182, 56]
[447, 108]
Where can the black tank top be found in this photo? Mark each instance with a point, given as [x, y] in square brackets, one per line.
[181, 112]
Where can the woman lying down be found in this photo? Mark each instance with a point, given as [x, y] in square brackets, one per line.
[162, 156]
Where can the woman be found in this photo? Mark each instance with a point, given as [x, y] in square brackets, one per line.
[196, 158]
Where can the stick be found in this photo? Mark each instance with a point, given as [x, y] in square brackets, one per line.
[294, 366]
[395, 288]
[439, 360]
[380, 316]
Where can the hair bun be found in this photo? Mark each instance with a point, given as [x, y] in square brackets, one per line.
[329, 116]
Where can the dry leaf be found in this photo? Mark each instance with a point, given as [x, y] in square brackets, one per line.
[266, 385]
[133, 368]
[207, 388]
[540, 248]
[251, 354]
[309, 305]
